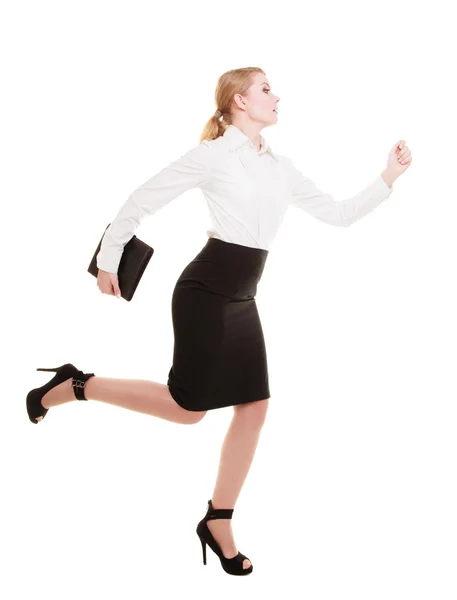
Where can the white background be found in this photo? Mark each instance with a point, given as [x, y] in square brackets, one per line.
[352, 491]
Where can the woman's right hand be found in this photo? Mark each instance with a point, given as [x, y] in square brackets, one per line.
[108, 283]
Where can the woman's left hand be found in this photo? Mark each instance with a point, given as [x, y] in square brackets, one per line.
[399, 159]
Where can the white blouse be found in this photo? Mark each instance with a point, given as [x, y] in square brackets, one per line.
[247, 192]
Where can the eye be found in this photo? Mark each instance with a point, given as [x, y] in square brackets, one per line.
[266, 89]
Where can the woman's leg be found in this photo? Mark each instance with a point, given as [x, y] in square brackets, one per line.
[139, 395]
[236, 457]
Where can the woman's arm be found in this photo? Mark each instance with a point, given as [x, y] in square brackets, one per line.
[388, 177]
[189, 171]
[323, 206]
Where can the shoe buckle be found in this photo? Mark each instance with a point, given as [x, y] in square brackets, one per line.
[78, 383]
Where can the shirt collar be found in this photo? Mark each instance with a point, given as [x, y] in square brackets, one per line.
[236, 138]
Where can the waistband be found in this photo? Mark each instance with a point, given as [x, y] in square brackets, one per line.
[225, 268]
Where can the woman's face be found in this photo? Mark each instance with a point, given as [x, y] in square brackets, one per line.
[260, 103]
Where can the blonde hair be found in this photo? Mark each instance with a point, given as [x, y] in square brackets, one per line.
[236, 81]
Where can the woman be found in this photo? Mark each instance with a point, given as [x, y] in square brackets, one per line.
[219, 356]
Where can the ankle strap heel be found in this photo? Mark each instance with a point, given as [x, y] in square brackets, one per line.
[33, 401]
[234, 565]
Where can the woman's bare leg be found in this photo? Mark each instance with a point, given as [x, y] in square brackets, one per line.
[139, 395]
[236, 458]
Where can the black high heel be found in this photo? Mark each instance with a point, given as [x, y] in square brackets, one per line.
[36, 409]
[234, 565]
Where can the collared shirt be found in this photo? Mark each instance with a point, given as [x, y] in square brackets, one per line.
[247, 192]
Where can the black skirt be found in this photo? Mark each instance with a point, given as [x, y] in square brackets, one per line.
[219, 355]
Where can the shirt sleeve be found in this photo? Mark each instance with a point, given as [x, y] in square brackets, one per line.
[323, 206]
[189, 171]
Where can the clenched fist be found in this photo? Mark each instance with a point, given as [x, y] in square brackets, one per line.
[399, 159]
[108, 283]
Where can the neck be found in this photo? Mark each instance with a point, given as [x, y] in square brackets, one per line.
[252, 131]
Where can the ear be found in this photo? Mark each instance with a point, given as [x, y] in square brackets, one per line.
[238, 98]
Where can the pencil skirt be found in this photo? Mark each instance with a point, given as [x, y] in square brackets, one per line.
[219, 354]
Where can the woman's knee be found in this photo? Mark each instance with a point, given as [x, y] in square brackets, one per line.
[254, 411]
[195, 416]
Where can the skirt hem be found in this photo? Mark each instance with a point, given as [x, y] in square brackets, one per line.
[176, 397]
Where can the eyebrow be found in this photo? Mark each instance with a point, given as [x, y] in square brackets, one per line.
[265, 82]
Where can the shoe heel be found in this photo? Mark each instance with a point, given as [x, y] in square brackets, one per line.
[33, 400]
[233, 565]
[204, 550]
